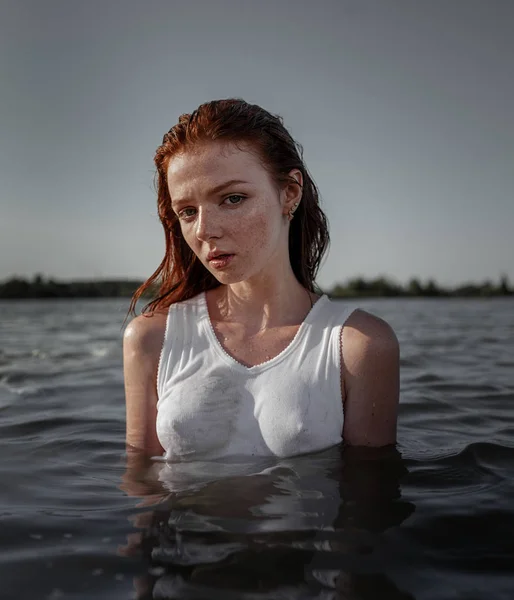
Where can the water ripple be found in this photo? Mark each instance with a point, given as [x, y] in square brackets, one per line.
[430, 521]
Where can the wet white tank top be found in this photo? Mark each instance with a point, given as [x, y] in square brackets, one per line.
[211, 406]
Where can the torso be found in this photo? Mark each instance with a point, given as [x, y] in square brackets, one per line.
[221, 393]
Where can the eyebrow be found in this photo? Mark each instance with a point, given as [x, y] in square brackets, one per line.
[228, 183]
[216, 189]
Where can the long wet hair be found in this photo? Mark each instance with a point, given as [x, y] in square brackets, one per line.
[181, 275]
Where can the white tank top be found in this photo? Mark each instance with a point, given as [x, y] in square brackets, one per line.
[211, 406]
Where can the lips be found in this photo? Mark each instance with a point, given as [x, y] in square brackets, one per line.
[217, 254]
[219, 260]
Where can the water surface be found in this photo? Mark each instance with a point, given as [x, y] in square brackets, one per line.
[434, 519]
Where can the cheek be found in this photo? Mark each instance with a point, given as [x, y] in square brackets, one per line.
[260, 232]
[188, 235]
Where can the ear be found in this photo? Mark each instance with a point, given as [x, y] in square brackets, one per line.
[292, 192]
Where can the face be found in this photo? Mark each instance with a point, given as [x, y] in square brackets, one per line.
[231, 213]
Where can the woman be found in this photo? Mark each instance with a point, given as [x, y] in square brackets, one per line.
[238, 354]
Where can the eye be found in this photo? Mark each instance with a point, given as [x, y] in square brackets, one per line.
[187, 213]
[234, 199]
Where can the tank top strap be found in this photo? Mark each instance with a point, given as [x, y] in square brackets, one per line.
[179, 337]
[335, 313]
[332, 318]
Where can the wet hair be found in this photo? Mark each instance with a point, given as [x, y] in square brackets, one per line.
[181, 275]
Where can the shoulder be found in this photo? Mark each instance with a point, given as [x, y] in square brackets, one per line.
[142, 342]
[370, 373]
[144, 335]
[366, 335]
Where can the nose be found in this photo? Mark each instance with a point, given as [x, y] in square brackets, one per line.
[208, 226]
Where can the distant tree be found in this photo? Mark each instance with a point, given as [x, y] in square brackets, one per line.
[338, 291]
[414, 287]
[505, 289]
[358, 285]
[382, 286]
[487, 289]
[431, 289]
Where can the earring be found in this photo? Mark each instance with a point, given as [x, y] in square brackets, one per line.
[291, 212]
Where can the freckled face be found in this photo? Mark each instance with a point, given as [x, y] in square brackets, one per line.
[230, 211]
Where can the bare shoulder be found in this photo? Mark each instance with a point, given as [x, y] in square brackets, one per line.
[142, 344]
[144, 335]
[365, 334]
[370, 373]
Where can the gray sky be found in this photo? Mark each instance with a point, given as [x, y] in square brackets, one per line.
[404, 108]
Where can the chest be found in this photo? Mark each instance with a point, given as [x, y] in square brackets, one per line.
[215, 411]
[253, 349]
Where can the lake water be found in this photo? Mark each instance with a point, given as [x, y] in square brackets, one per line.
[433, 521]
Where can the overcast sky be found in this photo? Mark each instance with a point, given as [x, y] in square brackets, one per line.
[405, 109]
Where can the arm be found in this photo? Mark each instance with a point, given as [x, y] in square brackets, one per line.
[142, 343]
[370, 380]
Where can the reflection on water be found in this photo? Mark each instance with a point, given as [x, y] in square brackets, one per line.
[307, 527]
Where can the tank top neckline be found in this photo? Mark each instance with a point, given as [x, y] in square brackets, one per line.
[228, 358]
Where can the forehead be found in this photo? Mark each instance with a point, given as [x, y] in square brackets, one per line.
[211, 164]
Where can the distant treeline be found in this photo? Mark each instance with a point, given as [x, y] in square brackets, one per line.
[39, 287]
[384, 287]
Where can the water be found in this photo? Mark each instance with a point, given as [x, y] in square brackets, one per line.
[433, 520]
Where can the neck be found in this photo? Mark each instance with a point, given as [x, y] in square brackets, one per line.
[265, 301]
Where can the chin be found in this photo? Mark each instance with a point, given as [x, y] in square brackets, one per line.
[235, 275]
[227, 278]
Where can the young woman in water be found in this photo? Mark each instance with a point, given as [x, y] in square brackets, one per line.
[239, 354]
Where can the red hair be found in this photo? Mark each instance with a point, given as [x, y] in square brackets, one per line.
[181, 275]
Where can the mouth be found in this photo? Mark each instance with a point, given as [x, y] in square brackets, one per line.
[219, 260]
[213, 254]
